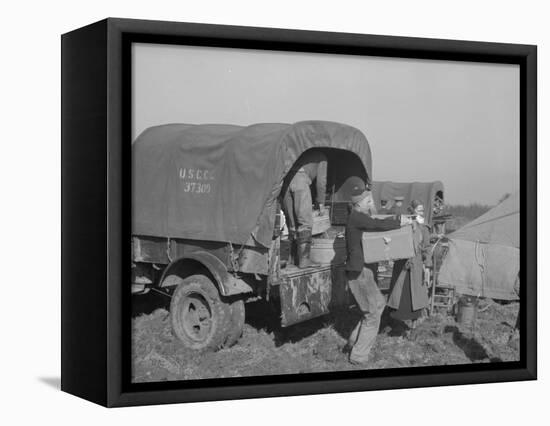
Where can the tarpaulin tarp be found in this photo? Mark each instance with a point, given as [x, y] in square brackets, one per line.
[424, 192]
[500, 225]
[220, 182]
[483, 256]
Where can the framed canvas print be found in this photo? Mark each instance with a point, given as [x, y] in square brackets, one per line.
[253, 212]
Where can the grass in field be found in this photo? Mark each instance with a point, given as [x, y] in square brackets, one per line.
[317, 345]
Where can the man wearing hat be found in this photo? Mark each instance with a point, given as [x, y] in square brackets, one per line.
[362, 276]
[397, 207]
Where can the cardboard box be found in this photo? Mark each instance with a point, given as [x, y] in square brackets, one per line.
[388, 245]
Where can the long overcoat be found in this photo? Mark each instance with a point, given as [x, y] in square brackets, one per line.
[414, 267]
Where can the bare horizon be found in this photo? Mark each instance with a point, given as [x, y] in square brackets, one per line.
[426, 120]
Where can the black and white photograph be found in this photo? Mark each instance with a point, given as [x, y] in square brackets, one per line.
[275, 213]
[298, 212]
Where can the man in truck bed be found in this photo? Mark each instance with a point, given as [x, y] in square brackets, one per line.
[297, 201]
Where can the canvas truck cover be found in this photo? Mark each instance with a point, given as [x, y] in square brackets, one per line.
[221, 182]
[483, 258]
[421, 191]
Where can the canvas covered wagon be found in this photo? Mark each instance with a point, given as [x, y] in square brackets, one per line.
[430, 194]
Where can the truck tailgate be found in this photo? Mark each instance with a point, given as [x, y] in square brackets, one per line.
[309, 293]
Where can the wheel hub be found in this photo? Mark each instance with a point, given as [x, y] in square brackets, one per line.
[197, 317]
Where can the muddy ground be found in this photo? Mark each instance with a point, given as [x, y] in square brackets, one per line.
[317, 345]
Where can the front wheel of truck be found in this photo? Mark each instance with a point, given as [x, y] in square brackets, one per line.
[237, 323]
[201, 320]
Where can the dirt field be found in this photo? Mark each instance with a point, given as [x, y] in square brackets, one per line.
[317, 345]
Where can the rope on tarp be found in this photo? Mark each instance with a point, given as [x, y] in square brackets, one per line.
[481, 264]
[168, 247]
[234, 262]
[235, 257]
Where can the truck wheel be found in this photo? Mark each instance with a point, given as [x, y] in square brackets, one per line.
[236, 324]
[200, 319]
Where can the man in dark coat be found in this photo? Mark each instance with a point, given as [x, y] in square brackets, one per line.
[297, 201]
[408, 292]
[362, 277]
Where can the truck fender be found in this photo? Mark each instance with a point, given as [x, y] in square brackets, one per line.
[195, 262]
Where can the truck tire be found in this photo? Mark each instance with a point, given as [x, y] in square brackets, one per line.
[200, 319]
[236, 324]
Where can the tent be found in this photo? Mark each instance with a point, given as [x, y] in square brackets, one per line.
[220, 183]
[483, 256]
[422, 191]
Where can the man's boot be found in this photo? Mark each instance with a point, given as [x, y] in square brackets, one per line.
[292, 255]
[304, 250]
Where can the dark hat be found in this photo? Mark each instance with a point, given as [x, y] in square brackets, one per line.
[358, 189]
[399, 198]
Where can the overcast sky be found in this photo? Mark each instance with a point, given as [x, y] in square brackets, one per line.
[457, 122]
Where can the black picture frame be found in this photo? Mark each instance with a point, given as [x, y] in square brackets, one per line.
[96, 105]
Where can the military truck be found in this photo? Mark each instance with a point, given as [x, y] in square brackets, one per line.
[205, 204]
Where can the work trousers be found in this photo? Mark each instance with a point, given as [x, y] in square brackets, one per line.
[298, 204]
[371, 302]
